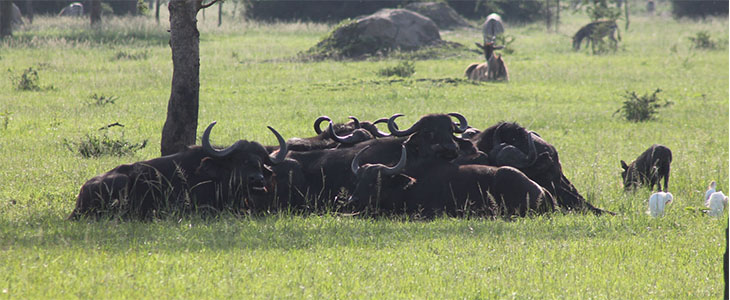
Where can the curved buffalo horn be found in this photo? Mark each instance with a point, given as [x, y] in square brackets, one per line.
[355, 165]
[379, 133]
[348, 139]
[394, 127]
[356, 121]
[318, 121]
[399, 166]
[209, 149]
[381, 120]
[283, 149]
[463, 126]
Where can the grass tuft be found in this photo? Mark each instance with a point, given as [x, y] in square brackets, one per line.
[402, 69]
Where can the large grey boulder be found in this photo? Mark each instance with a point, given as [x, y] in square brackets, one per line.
[399, 29]
[379, 33]
[440, 13]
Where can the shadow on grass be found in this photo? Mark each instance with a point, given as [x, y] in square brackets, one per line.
[290, 232]
[90, 37]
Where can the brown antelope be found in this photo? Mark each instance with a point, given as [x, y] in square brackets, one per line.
[492, 70]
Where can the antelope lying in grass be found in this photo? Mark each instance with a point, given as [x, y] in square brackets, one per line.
[492, 70]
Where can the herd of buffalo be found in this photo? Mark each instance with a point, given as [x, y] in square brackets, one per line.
[424, 171]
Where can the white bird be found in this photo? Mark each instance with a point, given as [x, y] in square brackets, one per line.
[657, 202]
[710, 190]
[716, 203]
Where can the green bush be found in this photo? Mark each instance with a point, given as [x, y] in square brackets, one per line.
[92, 145]
[702, 41]
[699, 9]
[101, 100]
[28, 81]
[335, 10]
[403, 69]
[641, 108]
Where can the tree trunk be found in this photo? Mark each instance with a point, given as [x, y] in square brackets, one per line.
[95, 12]
[6, 18]
[220, 13]
[627, 15]
[157, 11]
[557, 15]
[29, 10]
[547, 15]
[181, 124]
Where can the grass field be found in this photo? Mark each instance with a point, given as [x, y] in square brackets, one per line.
[249, 79]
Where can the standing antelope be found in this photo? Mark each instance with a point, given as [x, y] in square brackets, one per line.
[594, 33]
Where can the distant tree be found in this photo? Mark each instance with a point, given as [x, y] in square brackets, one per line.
[6, 16]
[29, 10]
[182, 109]
[95, 12]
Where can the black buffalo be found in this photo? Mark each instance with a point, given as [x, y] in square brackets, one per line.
[348, 133]
[199, 179]
[311, 179]
[509, 144]
[649, 168]
[444, 187]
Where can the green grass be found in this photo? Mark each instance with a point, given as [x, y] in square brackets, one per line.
[250, 79]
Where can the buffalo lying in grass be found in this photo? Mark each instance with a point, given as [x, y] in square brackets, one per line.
[444, 187]
[509, 144]
[201, 179]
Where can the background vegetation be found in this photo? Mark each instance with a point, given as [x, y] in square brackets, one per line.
[250, 78]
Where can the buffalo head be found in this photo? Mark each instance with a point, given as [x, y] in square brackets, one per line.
[242, 169]
[432, 135]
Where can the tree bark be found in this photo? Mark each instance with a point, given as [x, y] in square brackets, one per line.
[547, 15]
[29, 10]
[181, 124]
[157, 11]
[557, 15]
[95, 12]
[627, 15]
[6, 18]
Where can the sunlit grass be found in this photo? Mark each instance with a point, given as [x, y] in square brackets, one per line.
[249, 80]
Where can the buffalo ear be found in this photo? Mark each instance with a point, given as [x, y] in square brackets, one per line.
[623, 165]
[210, 167]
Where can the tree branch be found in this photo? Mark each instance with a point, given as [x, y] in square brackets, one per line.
[202, 6]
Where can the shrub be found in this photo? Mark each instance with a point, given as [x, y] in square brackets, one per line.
[101, 100]
[131, 56]
[92, 145]
[702, 41]
[28, 81]
[641, 108]
[403, 69]
[5, 116]
[699, 9]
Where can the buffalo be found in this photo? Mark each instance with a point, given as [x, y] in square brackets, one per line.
[199, 179]
[509, 144]
[311, 179]
[649, 168]
[444, 187]
[335, 135]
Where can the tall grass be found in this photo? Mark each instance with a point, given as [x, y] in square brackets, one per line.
[248, 81]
